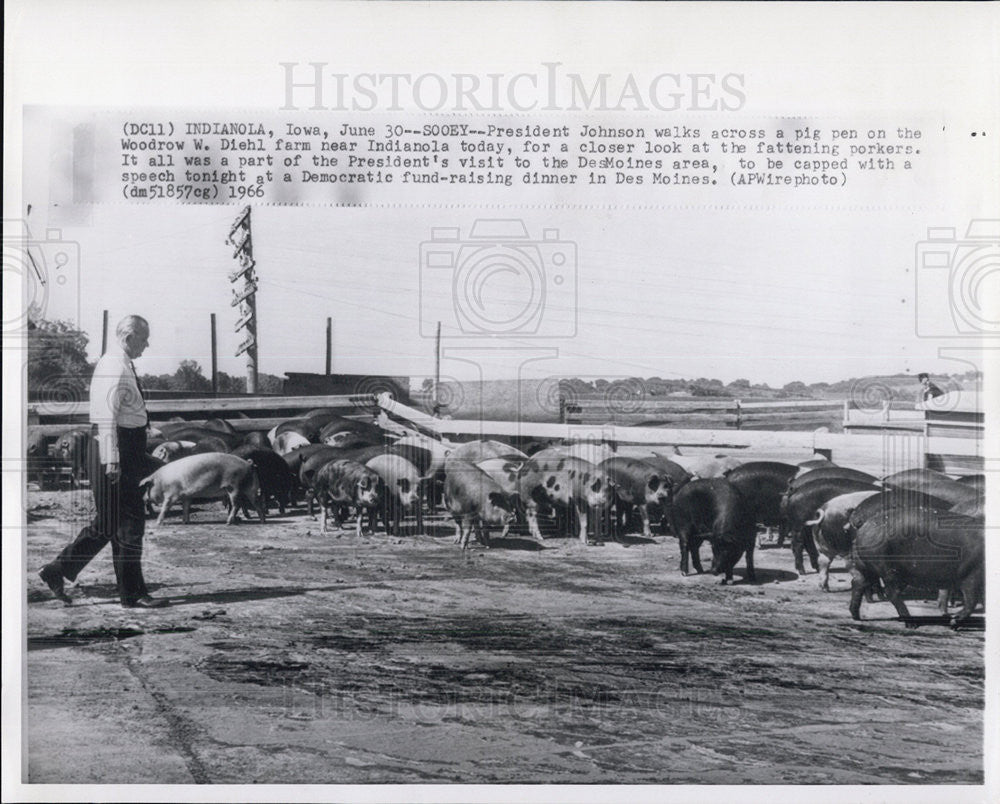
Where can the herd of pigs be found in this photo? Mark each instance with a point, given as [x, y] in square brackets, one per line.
[915, 528]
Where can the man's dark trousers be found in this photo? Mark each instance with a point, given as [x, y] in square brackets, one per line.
[120, 519]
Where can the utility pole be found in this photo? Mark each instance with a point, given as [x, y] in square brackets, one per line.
[245, 297]
[104, 335]
[329, 346]
[437, 370]
[215, 359]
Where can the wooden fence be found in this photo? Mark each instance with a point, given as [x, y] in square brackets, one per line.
[780, 429]
[244, 413]
[880, 454]
[792, 414]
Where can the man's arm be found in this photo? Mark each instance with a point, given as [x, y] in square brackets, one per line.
[105, 402]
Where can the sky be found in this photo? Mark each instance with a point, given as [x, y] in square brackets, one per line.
[810, 286]
[680, 293]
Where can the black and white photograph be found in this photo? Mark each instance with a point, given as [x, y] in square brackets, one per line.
[548, 401]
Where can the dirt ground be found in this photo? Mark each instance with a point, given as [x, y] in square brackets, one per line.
[289, 656]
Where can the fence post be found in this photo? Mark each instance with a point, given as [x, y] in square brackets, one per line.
[739, 415]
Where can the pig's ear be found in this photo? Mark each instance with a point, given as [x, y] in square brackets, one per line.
[654, 482]
[365, 481]
[404, 485]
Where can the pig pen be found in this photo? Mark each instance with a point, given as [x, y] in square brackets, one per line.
[292, 657]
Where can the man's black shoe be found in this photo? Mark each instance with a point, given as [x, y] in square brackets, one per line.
[54, 580]
[147, 602]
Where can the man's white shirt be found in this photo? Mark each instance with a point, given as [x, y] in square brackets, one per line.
[115, 401]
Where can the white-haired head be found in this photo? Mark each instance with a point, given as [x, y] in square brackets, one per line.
[133, 335]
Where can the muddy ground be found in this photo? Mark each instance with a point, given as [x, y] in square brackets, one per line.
[289, 656]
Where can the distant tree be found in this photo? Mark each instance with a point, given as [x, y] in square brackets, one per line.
[707, 388]
[795, 388]
[576, 386]
[157, 382]
[739, 385]
[270, 384]
[189, 377]
[229, 384]
[57, 360]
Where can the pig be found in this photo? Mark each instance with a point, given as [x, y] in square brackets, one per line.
[830, 473]
[304, 427]
[402, 490]
[172, 450]
[296, 457]
[150, 465]
[336, 430]
[342, 483]
[364, 454]
[36, 446]
[273, 475]
[350, 440]
[816, 462]
[569, 484]
[798, 506]
[190, 432]
[889, 500]
[678, 477]
[919, 546]
[220, 425]
[288, 441]
[504, 473]
[411, 447]
[73, 449]
[313, 463]
[714, 508]
[763, 484]
[204, 476]
[476, 451]
[934, 483]
[166, 430]
[589, 451]
[706, 466]
[256, 438]
[211, 443]
[831, 536]
[637, 486]
[475, 500]
[678, 474]
[975, 508]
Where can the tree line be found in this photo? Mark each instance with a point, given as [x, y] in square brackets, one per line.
[57, 359]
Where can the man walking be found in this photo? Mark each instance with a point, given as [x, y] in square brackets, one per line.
[118, 416]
